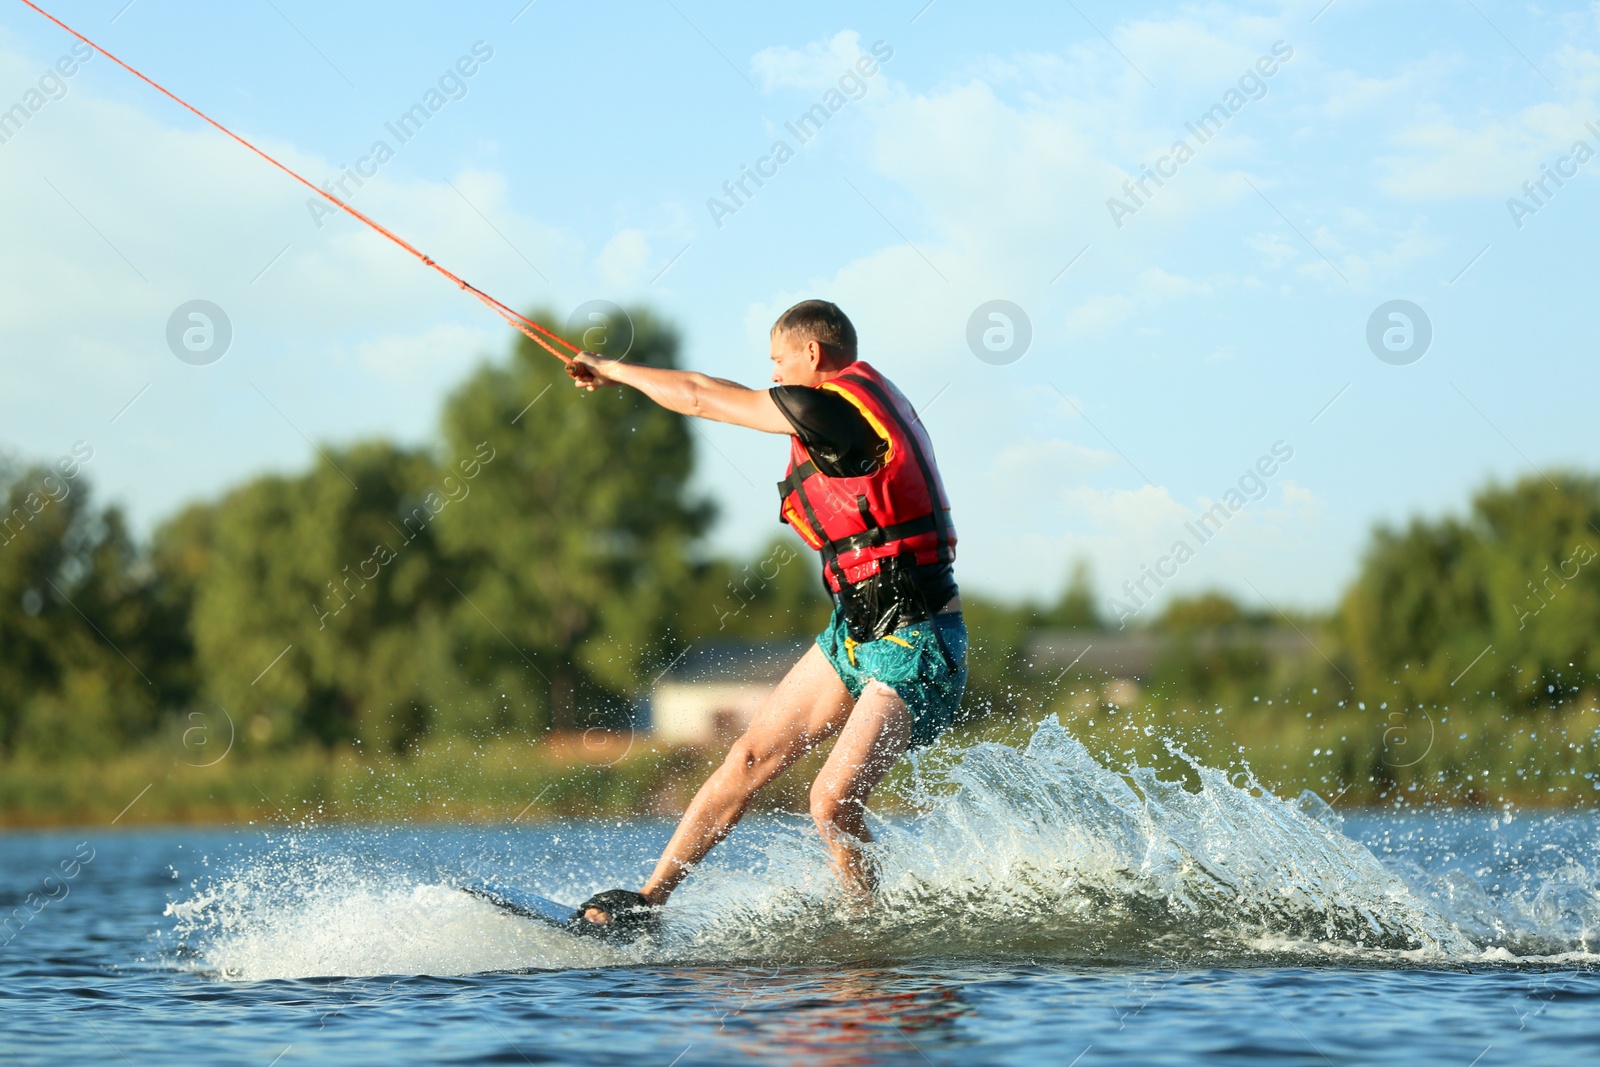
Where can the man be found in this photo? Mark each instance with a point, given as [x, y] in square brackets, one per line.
[888, 673]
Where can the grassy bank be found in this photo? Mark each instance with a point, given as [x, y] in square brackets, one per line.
[1481, 757]
[1367, 755]
[494, 781]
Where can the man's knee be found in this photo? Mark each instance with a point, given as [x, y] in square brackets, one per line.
[878, 690]
[751, 759]
[829, 810]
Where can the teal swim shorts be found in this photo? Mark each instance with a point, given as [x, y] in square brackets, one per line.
[924, 662]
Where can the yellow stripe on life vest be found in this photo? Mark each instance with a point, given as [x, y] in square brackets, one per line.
[807, 534]
[872, 420]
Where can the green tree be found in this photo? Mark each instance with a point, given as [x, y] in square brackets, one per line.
[1075, 610]
[574, 548]
[1212, 651]
[998, 670]
[775, 596]
[320, 601]
[1504, 602]
[90, 649]
[1207, 611]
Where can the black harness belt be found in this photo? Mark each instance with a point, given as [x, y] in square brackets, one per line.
[881, 534]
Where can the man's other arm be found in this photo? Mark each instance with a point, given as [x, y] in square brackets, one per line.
[685, 392]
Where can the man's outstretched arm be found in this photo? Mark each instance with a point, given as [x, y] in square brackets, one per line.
[685, 392]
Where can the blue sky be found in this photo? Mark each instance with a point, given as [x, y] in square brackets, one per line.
[1227, 313]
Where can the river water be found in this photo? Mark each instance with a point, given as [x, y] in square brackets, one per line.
[1039, 909]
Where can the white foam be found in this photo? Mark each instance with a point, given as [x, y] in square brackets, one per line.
[330, 923]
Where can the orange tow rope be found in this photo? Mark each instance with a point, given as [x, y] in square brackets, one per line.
[532, 330]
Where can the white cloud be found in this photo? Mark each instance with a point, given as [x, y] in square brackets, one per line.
[429, 362]
[1276, 247]
[1034, 463]
[1387, 251]
[635, 256]
[1201, 55]
[1010, 186]
[1142, 517]
[1154, 288]
[1298, 500]
[814, 68]
[624, 258]
[1417, 86]
[1133, 529]
[1012, 162]
[1444, 159]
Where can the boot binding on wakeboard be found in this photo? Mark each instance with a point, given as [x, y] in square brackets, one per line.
[629, 916]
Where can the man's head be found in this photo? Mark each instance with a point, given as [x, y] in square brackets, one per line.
[811, 342]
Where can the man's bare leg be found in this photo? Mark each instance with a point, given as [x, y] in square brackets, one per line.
[805, 709]
[877, 734]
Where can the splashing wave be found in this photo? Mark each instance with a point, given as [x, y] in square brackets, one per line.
[1039, 853]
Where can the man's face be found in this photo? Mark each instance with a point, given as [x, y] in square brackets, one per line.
[795, 361]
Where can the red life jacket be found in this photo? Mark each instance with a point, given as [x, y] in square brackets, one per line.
[899, 509]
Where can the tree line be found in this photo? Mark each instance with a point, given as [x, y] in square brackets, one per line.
[543, 559]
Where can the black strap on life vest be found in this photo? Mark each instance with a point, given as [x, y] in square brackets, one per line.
[791, 484]
[796, 483]
[879, 535]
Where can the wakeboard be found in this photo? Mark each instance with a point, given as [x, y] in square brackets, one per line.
[521, 903]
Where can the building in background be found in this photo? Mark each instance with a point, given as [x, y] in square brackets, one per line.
[1125, 662]
[712, 692]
